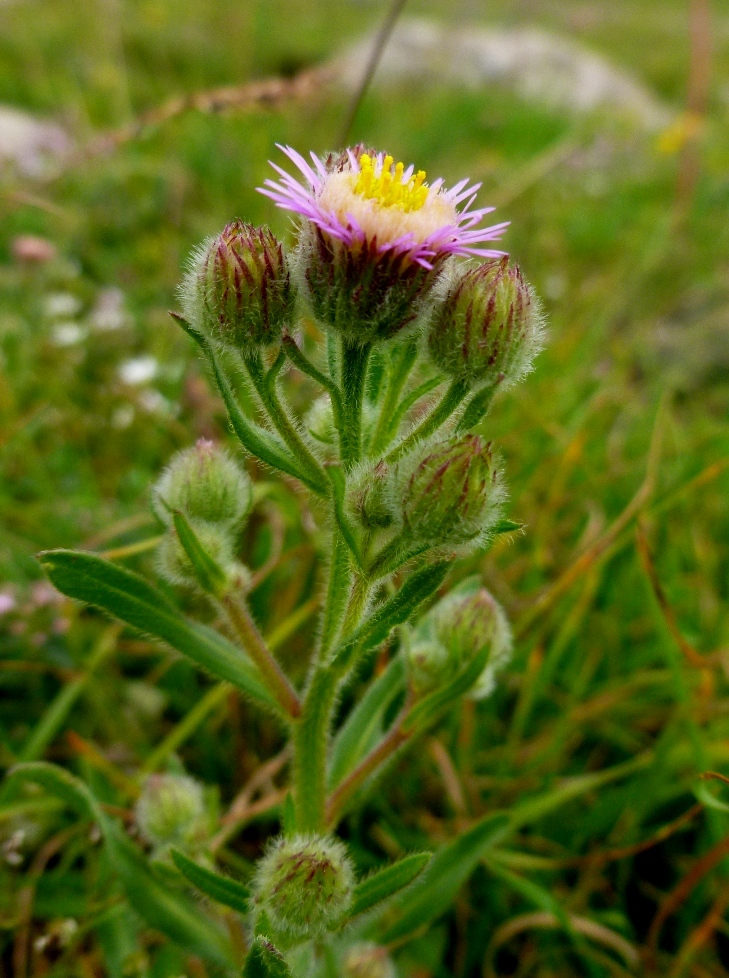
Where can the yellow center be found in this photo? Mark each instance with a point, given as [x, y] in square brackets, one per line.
[388, 188]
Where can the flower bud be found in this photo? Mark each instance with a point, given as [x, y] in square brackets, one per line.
[206, 484]
[370, 499]
[169, 809]
[238, 289]
[368, 961]
[464, 623]
[451, 491]
[304, 884]
[430, 665]
[173, 562]
[489, 328]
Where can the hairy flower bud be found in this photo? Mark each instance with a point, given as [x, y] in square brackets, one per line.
[489, 328]
[451, 491]
[169, 809]
[206, 484]
[238, 289]
[370, 498]
[464, 623]
[173, 562]
[304, 884]
[454, 632]
[368, 961]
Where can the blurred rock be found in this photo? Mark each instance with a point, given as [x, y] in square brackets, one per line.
[536, 64]
[33, 146]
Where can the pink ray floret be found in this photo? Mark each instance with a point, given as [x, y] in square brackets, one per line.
[460, 237]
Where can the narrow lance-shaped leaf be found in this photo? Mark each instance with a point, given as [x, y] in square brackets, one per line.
[416, 590]
[355, 737]
[131, 599]
[161, 909]
[387, 882]
[208, 572]
[220, 888]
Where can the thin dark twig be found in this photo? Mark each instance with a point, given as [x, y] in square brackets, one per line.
[383, 36]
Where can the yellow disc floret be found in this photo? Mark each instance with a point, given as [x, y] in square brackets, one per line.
[388, 188]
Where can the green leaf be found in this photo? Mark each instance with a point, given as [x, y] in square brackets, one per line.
[131, 599]
[506, 526]
[160, 908]
[365, 721]
[252, 437]
[433, 893]
[223, 889]
[401, 607]
[388, 881]
[531, 891]
[210, 575]
[265, 961]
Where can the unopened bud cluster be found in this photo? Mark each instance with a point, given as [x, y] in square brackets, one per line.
[214, 494]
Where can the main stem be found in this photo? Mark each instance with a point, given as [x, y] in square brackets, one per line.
[354, 359]
[311, 736]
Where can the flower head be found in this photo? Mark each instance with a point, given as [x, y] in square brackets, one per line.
[367, 199]
[375, 237]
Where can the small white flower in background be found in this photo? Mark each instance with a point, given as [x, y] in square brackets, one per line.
[153, 402]
[68, 334]
[7, 602]
[109, 313]
[59, 305]
[11, 847]
[138, 370]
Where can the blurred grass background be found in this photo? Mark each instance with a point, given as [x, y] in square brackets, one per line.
[616, 450]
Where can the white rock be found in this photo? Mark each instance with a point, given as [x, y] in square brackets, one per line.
[538, 65]
[33, 146]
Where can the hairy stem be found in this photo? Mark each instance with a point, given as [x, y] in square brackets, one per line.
[448, 404]
[252, 641]
[338, 585]
[311, 737]
[265, 385]
[400, 372]
[354, 359]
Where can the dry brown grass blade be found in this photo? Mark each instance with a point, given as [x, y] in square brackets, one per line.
[681, 892]
[242, 807]
[700, 935]
[268, 93]
[542, 920]
[693, 657]
[383, 36]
